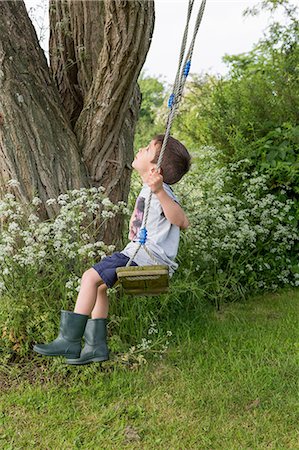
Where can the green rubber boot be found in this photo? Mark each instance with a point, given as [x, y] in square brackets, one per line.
[68, 342]
[95, 349]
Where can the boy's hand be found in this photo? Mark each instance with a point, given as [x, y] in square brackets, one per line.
[155, 181]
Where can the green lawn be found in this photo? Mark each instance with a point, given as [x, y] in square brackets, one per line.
[228, 381]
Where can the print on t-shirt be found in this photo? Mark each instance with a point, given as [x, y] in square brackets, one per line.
[138, 218]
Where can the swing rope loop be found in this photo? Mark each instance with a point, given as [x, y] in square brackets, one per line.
[173, 103]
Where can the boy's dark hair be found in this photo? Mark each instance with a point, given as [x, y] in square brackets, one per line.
[176, 159]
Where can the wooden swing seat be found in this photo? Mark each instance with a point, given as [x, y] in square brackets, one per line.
[144, 280]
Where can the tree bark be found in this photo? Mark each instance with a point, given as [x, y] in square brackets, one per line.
[79, 130]
[37, 144]
[96, 70]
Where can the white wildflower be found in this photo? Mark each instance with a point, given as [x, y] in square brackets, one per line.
[107, 214]
[63, 197]
[33, 218]
[36, 201]
[13, 183]
[51, 201]
[2, 286]
[13, 226]
[152, 330]
[9, 196]
[107, 202]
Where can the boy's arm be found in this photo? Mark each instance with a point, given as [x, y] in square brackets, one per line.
[131, 234]
[132, 218]
[172, 210]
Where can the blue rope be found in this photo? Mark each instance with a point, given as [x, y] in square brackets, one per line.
[186, 71]
[142, 236]
[171, 100]
[187, 68]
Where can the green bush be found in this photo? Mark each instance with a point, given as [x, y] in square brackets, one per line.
[277, 154]
[256, 103]
[242, 238]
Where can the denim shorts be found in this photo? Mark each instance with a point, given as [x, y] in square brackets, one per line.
[106, 268]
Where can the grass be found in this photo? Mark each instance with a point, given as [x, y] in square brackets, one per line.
[228, 381]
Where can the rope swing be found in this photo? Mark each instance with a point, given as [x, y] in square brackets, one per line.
[152, 280]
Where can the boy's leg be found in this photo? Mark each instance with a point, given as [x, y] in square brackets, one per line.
[101, 307]
[95, 335]
[90, 282]
[74, 324]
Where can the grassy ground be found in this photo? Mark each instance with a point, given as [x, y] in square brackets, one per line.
[228, 381]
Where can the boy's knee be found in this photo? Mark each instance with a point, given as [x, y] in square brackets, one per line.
[103, 287]
[92, 276]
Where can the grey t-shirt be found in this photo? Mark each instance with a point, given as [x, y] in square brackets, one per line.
[162, 236]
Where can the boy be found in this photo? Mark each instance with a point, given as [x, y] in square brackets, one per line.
[165, 220]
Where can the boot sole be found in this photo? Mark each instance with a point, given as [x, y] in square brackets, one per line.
[86, 361]
[44, 353]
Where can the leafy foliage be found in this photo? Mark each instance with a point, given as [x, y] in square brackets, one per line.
[277, 154]
[153, 92]
[260, 93]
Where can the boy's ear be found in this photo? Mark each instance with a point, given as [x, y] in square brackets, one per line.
[154, 169]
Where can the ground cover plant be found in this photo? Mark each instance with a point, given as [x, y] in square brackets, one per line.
[228, 380]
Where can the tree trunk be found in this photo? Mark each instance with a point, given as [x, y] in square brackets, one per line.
[96, 68]
[37, 144]
[77, 131]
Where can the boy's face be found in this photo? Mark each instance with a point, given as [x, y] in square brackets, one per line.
[143, 160]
